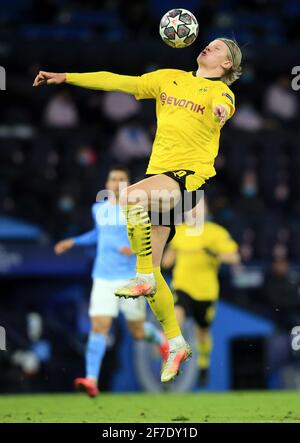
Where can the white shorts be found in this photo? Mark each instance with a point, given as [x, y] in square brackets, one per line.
[104, 302]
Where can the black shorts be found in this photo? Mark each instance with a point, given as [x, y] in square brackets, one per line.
[202, 311]
[187, 201]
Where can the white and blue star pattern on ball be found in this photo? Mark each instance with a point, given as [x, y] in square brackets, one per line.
[178, 28]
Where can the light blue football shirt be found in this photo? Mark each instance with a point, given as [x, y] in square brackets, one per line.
[110, 235]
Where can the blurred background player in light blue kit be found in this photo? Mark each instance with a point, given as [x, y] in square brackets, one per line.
[113, 265]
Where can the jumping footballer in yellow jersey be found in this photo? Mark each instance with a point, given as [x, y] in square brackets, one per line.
[196, 254]
[191, 108]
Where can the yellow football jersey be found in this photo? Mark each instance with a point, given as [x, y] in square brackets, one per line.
[188, 133]
[196, 268]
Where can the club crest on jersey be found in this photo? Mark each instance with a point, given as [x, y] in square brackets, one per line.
[203, 89]
[228, 96]
[181, 103]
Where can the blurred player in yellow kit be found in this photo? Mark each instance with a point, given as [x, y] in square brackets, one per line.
[196, 254]
[191, 108]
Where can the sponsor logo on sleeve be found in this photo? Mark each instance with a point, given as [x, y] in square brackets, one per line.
[228, 96]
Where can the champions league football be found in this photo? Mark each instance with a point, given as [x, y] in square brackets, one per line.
[178, 28]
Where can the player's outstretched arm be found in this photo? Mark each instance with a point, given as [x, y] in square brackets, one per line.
[63, 246]
[106, 81]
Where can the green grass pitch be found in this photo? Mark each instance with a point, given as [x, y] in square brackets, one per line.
[280, 406]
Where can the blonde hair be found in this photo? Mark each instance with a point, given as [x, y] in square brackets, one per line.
[235, 56]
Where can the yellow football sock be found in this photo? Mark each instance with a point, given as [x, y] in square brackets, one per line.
[162, 305]
[204, 349]
[139, 234]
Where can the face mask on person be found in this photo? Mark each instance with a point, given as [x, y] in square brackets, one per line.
[249, 190]
[66, 204]
[86, 157]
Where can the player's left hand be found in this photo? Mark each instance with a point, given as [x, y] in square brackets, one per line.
[221, 114]
[126, 250]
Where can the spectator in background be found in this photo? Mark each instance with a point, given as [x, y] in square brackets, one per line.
[281, 101]
[118, 106]
[61, 111]
[66, 203]
[249, 202]
[86, 156]
[281, 290]
[281, 196]
[280, 249]
[131, 142]
[247, 118]
[86, 167]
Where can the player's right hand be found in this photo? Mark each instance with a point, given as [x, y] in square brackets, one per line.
[49, 78]
[63, 246]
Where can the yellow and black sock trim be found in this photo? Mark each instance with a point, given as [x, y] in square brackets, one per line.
[139, 234]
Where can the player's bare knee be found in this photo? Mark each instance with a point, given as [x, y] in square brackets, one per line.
[123, 198]
[100, 326]
[130, 195]
[180, 314]
[100, 329]
[203, 334]
[133, 195]
[138, 335]
[136, 330]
